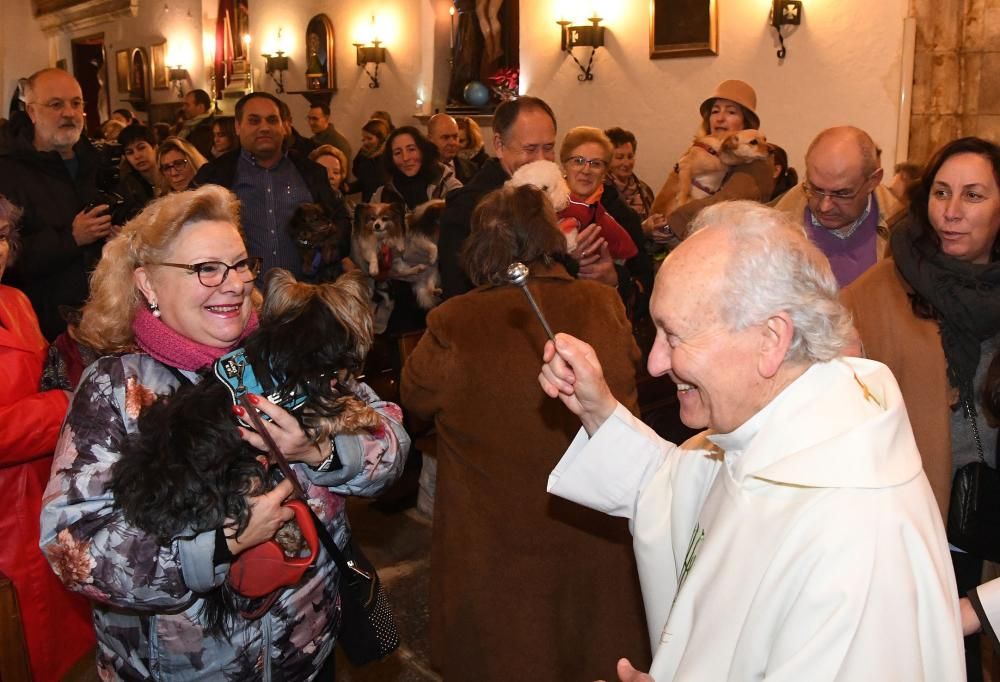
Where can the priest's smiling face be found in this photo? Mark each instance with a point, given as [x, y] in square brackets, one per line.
[716, 369]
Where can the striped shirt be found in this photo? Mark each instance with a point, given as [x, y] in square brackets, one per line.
[268, 199]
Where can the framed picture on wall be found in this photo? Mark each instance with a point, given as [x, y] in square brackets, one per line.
[157, 59]
[122, 69]
[683, 28]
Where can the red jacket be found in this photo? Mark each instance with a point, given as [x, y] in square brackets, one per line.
[57, 623]
[590, 211]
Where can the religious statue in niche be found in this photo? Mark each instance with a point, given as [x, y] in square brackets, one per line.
[484, 54]
[138, 93]
[320, 71]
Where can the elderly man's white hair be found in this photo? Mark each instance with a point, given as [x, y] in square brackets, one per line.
[774, 268]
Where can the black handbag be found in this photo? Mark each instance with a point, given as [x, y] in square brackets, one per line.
[974, 509]
[367, 628]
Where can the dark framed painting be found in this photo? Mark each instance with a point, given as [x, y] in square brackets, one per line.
[683, 28]
[139, 79]
[321, 72]
[122, 70]
[158, 63]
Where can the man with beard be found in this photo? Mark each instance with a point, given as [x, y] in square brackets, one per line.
[271, 185]
[50, 171]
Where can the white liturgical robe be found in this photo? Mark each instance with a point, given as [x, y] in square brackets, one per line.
[805, 545]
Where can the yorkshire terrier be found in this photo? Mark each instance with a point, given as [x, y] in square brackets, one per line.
[187, 470]
[388, 244]
[318, 241]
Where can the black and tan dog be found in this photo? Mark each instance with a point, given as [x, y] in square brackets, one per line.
[187, 470]
[319, 242]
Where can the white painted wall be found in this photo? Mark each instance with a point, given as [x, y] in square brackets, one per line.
[24, 49]
[842, 66]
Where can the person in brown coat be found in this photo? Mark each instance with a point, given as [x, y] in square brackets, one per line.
[730, 108]
[523, 585]
[932, 314]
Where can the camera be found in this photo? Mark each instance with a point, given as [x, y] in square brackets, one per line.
[108, 177]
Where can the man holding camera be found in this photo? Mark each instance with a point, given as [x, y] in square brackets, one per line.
[50, 172]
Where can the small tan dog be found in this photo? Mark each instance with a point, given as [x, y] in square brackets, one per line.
[704, 166]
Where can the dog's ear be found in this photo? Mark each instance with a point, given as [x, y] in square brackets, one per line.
[361, 212]
[277, 278]
[348, 299]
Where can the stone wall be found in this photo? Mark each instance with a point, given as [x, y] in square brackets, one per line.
[957, 57]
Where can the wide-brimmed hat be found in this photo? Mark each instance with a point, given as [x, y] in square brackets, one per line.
[739, 92]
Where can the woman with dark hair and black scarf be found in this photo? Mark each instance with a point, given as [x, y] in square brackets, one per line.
[932, 314]
[414, 174]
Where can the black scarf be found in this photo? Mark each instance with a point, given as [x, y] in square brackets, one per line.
[964, 296]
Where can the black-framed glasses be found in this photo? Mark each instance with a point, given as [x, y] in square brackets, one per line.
[213, 273]
[839, 195]
[578, 162]
[174, 166]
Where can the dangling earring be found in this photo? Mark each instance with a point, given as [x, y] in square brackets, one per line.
[155, 309]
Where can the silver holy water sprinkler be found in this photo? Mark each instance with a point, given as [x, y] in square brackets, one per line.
[517, 273]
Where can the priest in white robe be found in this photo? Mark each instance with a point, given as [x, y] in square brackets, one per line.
[797, 538]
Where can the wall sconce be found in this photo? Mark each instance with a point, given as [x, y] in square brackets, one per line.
[371, 55]
[582, 36]
[178, 74]
[785, 13]
[276, 63]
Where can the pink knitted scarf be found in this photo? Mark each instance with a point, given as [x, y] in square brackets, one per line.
[176, 350]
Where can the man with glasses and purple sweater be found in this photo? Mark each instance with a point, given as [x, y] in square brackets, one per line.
[842, 203]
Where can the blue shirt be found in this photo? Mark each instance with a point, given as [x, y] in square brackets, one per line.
[269, 198]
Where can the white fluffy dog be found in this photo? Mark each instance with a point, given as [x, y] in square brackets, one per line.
[548, 177]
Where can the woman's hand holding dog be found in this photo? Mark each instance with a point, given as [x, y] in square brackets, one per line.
[287, 433]
[592, 254]
[267, 515]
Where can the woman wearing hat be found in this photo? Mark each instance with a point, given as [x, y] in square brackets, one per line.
[731, 107]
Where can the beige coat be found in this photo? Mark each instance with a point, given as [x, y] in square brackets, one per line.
[911, 347]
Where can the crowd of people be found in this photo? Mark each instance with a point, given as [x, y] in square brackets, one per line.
[802, 536]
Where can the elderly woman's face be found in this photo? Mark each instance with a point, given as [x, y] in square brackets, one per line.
[5, 231]
[406, 155]
[585, 168]
[964, 207]
[213, 316]
[622, 162]
[178, 171]
[726, 116]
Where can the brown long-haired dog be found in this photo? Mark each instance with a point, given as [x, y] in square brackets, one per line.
[314, 338]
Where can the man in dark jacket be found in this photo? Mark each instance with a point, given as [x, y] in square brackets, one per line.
[524, 130]
[271, 184]
[199, 118]
[48, 170]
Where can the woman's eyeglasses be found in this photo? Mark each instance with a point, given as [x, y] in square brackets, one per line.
[212, 273]
[578, 162]
[174, 166]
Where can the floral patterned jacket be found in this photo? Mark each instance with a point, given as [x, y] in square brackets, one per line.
[146, 597]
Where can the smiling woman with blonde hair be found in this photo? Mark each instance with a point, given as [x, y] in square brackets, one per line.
[173, 293]
[178, 162]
